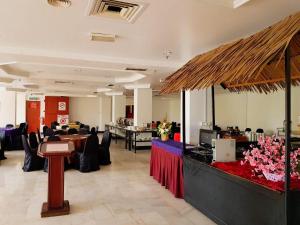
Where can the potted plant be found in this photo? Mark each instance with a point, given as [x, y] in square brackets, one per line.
[164, 129]
[268, 159]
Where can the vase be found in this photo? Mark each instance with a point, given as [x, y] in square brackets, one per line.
[164, 137]
[273, 177]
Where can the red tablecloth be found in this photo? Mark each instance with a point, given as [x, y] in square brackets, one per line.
[245, 171]
[167, 168]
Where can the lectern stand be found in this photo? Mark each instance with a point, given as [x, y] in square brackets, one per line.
[55, 152]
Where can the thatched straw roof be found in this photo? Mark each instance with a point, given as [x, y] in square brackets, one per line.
[255, 63]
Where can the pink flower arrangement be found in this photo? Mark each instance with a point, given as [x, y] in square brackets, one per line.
[269, 158]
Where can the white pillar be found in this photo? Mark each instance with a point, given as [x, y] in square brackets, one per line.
[105, 111]
[142, 106]
[196, 103]
[118, 107]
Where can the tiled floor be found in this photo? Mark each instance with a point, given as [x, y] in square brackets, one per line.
[120, 194]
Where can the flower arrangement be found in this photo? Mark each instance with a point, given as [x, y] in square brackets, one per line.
[268, 159]
[164, 129]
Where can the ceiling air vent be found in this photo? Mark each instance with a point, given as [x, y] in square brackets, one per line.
[128, 11]
[63, 82]
[60, 3]
[103, 37]
[136, 69]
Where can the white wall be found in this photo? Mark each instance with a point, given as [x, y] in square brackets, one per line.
[255, 110]
[7, 108]
[86, 110]
[142, 106]
[118, 107]
[166, 108]
[129, 101]
[104, 111]
[20, 107]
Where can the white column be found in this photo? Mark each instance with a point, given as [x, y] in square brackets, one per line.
[105, 115]
[142, 106]
[118, 107]
[42, 111]
[195, 114]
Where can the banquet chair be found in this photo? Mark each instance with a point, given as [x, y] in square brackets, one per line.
[88, 160]
[2, 141]
[260, 131]
[64, 127]
[48, 132]
[60, 132]
[83, 131]
[50, 139]
[104, 154]
[93, 131]
[39, 135]
[9, 126]
[54, 124]
[33, 142]
[72, 131]
[32, 161]
[44, 129]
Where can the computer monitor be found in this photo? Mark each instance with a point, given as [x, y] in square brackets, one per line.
[206, 136]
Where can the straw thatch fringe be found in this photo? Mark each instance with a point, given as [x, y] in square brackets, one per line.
[255, 63]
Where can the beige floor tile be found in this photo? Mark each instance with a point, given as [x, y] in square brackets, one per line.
[120, 194]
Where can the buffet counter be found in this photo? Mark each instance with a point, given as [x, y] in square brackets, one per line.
[134, 138]
[232, 200]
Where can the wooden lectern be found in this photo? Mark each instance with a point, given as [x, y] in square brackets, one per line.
[55, 152]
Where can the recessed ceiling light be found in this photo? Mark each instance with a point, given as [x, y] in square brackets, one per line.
[114, 93]
[103, 37]
[60, 3]
[103, 89]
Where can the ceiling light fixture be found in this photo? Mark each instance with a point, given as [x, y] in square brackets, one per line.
[114, 93]
[60, 3]
[103, 89]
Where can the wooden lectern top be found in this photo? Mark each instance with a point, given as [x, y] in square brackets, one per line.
[56, 148]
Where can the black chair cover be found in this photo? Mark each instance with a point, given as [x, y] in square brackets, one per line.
[48, 132]
[83, 131]
[39, 136]
[104, 154]
[33, 140]
[9, 126]
[93, 131]
[54, 124]
[88, 160]
[44, 129]
[2, 141]
[64, 127]
[60, 132]
[32, 161]
[72, 131]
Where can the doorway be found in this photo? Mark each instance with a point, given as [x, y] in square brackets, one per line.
[33, 111]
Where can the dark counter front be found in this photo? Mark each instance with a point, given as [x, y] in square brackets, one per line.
[231, 200]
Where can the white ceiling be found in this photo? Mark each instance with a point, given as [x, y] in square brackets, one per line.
[43, 44]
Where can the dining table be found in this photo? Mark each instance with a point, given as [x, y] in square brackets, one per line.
[78, 140]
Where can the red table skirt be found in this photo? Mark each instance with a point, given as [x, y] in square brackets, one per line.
[167, 169]
[245, 171]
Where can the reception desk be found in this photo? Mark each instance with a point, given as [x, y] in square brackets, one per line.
[166, 165]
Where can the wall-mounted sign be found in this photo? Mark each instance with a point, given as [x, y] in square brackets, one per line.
[62, 106]
[63, 119]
